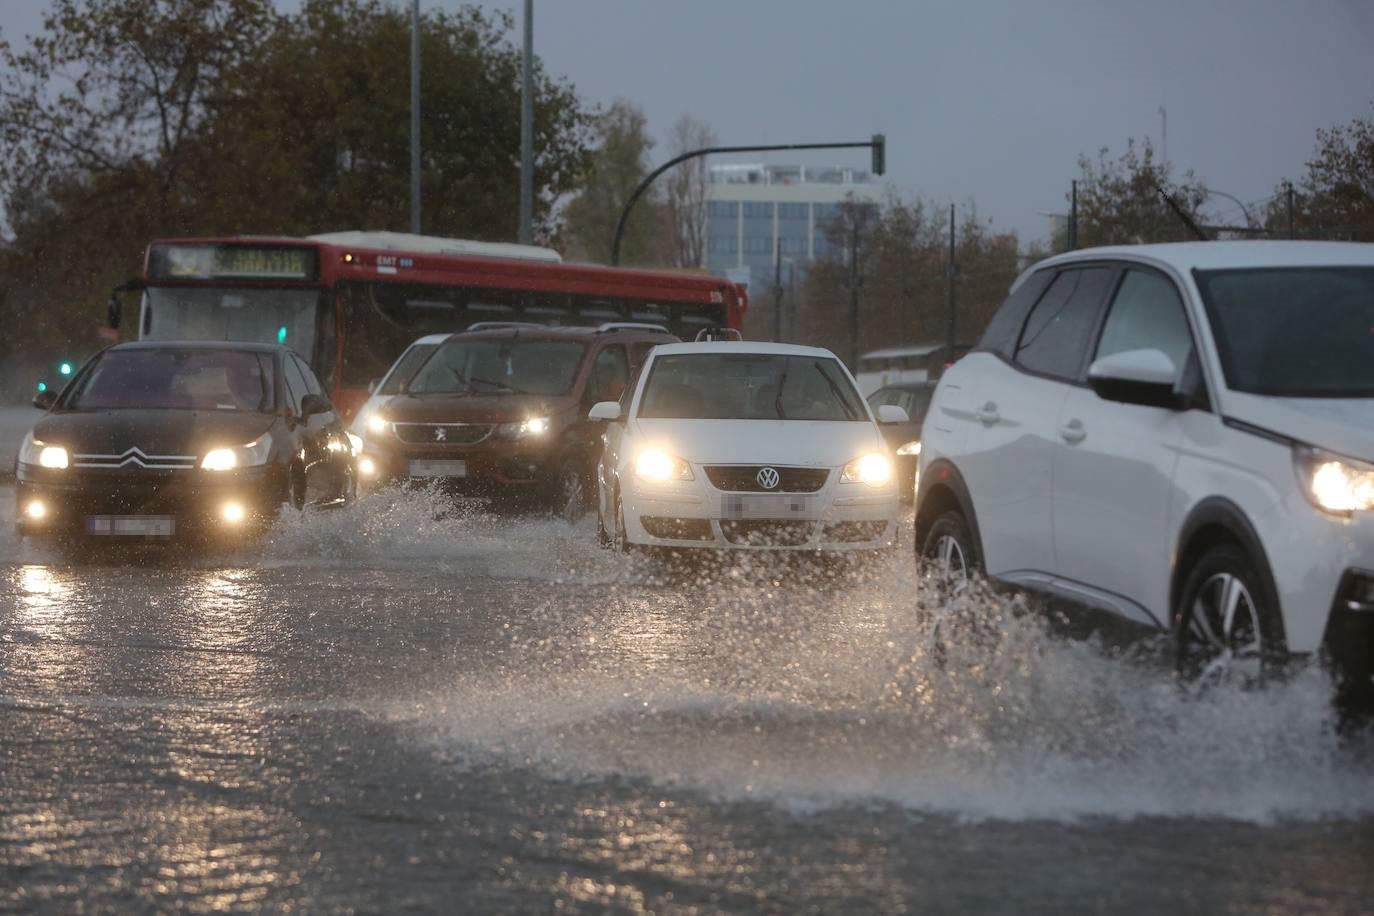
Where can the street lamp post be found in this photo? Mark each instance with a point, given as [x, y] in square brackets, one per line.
[415, 117]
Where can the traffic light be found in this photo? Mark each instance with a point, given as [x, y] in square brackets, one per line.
[65, 368]
[879, 148]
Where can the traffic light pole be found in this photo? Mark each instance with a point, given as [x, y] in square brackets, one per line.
[878, 145]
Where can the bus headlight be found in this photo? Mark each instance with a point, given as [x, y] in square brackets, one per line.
[657, 465]
[253, 454]
[874, 469]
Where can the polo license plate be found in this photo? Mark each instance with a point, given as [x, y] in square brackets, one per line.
[769, 506]
[425, 467]
[138, 526]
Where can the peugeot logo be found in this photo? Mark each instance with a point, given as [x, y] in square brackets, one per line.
[440, 434]
[767, 478]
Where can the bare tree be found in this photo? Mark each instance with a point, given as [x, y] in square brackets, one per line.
[686, 192]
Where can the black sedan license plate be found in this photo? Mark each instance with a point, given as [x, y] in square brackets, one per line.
[146, 526]
[769, 506]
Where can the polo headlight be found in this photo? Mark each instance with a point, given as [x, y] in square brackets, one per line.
[34, 451]
[874, 469]
[909, 448]
[658, 466]
[254, 454]
[521, 429]
[1336, 484]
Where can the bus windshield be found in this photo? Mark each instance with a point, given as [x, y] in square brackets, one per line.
[503, 366]
[256, 315]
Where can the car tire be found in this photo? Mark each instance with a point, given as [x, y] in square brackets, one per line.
[950, 552]
[620, 541]
[570, 491]
[295, 489]
[1226, 627]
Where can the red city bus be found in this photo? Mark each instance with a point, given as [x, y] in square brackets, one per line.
[350, 302]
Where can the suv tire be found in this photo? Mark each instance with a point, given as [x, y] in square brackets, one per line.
[951, 548]
[1226, 627]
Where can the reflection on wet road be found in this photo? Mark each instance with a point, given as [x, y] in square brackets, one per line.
[381, 710]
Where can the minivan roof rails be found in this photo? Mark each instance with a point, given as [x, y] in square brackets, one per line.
[719, 334]
[498, 325]
[630, 326]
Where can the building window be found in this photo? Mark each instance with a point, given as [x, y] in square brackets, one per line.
[722, 244]
[758, 245]
[793, 211]
[724, 209]
[758, 210]
[793, 246]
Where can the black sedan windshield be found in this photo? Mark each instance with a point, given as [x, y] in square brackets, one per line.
[187, 379]
[749, 386]
[1294, 332]
[503, 366]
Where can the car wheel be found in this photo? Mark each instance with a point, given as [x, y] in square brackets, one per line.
[570, 493]
[295, 489]
[619, 541]
[1226, 628]
[949, 556]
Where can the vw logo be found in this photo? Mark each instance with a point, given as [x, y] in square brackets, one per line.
[440, 434]
[767, 478]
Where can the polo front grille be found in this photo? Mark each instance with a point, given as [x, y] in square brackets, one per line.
[767, 533]
[745, 478]
[442, 433]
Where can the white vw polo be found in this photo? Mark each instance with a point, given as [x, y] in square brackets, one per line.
[729, 444]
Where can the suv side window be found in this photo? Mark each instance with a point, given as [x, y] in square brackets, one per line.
[1147, 314]
[1059, 329]
[1003, 330]
[610, 373]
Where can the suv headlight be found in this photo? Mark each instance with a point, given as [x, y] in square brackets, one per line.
[1335, 484]
[874, 469]
[33, 451]
[253, 454]
[533, 426]
[657, 465]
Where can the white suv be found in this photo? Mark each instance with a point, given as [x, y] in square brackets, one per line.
[1179, 434]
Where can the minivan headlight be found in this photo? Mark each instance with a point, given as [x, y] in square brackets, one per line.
[1335, 484]
[253, 454]
[874, 469]
[34, 451]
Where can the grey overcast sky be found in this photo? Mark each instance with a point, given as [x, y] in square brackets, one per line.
[989, 101]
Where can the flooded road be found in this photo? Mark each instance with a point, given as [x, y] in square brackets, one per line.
[380, 710]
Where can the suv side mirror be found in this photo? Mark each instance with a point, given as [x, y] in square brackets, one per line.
[604, 410]
[44, 399]
[892, 413]
[1144, 377]
[313, 404]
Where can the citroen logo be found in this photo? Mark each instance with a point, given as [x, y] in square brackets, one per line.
[440, 434]
[767, 478]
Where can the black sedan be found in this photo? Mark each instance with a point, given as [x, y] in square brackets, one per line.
[156, 439]
[905, 438]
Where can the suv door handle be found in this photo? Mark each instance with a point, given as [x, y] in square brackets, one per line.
[1073, 432]
[988, 414]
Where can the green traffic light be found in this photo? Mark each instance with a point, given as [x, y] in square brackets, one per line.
[281, 334]
[42, 387]
[65, 368]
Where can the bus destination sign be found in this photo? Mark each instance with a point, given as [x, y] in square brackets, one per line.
[232, 262]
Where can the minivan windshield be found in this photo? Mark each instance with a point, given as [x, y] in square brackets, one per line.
[177, 379]
[1294, 332]
[500, 366]
[749, 386]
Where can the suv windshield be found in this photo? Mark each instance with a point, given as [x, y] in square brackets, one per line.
[500, 366]
[749, 386]
[1294, 332]
[186, 379]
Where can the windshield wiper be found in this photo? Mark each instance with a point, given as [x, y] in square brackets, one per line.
[499, 385]
[782, 383]
[835, 390]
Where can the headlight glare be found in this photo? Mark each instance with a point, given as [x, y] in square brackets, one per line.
[34, 451]
[53, 456]
[251, 455]
[377, 424]
[520, 429]
[657, 465]
[355, 442]
[874, 469]
[1337, 484]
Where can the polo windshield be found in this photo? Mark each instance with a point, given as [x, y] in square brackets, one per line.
[177, 379]
[1294, 332]
[501, 366]
[750, 386]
